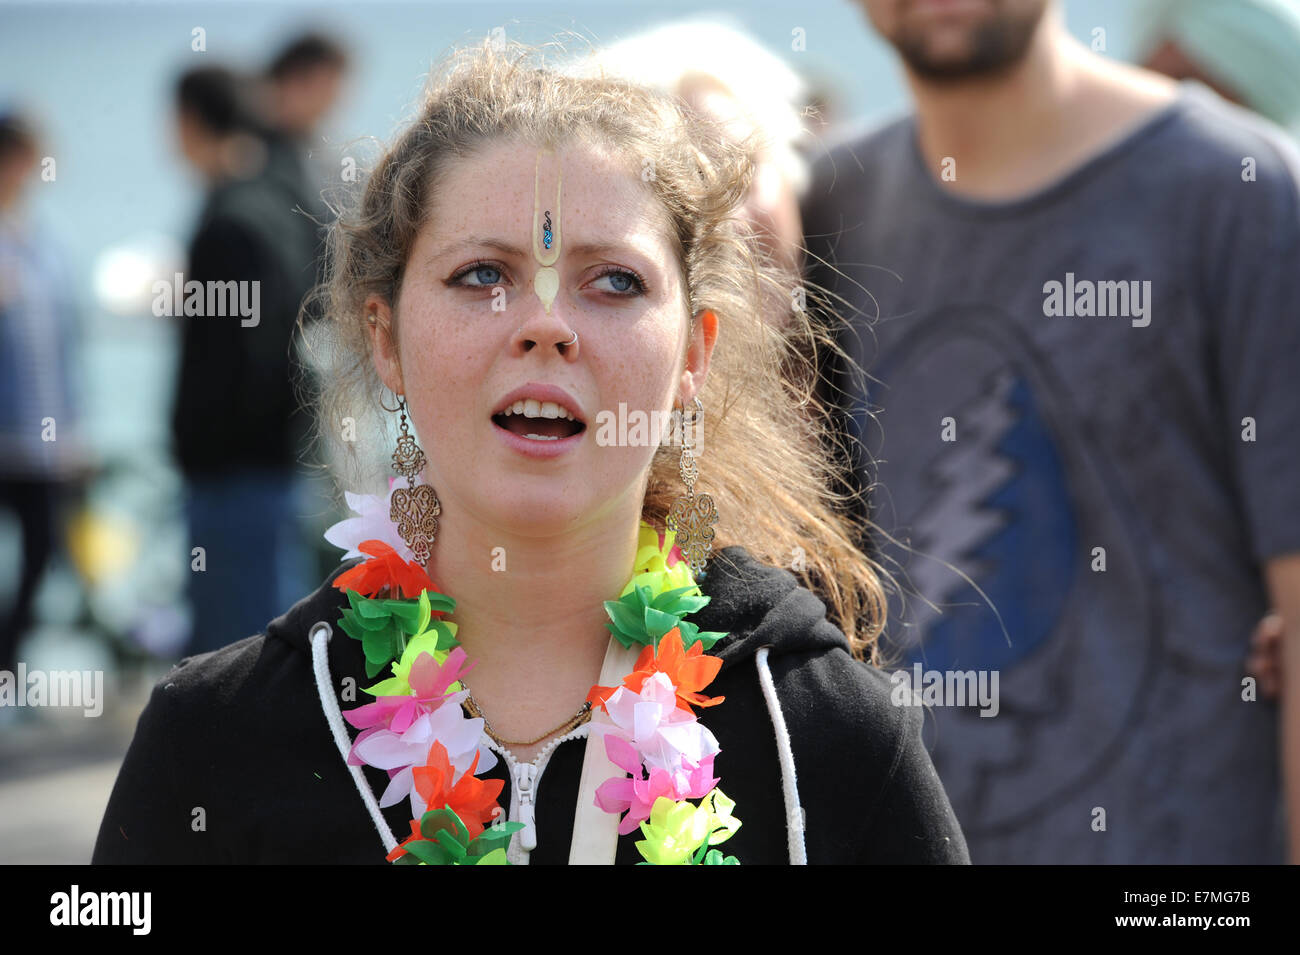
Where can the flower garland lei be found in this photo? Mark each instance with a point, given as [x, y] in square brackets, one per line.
[432, 750]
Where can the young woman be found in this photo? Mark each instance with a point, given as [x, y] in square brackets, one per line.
[578, 640]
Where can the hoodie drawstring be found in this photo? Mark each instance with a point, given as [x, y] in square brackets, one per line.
[320, 635]
[794, 817]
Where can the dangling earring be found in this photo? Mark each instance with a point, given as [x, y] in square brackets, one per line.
[692, 516]
[415, 508]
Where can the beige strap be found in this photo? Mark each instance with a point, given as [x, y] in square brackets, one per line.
[595, 832]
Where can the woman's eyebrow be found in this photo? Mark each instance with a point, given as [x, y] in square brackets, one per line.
[472, 241]
[579, 249]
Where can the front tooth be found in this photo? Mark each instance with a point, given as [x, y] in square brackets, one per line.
[550, 409]
[532, 408]
[517, 408]
[566, 414]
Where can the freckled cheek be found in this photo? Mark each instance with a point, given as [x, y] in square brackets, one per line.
[447, 365]
[644, 366]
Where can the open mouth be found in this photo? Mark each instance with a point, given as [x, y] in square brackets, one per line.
[538, 421]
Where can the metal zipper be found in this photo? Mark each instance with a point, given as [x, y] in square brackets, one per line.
[525, 778]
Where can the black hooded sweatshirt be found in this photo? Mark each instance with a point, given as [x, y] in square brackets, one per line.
[233, 758]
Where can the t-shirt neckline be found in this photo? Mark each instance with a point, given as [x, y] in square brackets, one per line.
[1188, 91]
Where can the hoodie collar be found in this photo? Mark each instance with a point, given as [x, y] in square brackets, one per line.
[759, 605]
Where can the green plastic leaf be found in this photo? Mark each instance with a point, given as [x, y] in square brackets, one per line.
[441, 603]
[372, 608]
[351, 625]
[714, 857]
[436, 821]
[457, 849]
[627, 619]
[429, 852]
[498, 832]
[657, 623]
[693, 634]
[679, 601]
[380, 646]
[405, 614]
[369, 614]
[682, 606]
[495, 857]
[446, 641]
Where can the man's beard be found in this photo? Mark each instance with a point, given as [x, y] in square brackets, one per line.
[995, 46]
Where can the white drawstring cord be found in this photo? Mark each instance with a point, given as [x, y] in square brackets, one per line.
[794, 818]
[320, 635]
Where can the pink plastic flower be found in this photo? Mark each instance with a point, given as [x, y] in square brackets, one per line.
[636, 796]
[664, 736]
[399, 753]
[429, 682]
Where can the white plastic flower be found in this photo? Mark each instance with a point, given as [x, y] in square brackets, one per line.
[371, 523]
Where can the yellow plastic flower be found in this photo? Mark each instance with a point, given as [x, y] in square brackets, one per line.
[676, 830]
[722, 824]
[651, 567]
[673, 832]
[426, 642]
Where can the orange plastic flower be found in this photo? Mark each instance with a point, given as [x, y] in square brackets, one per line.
[415, 836]
[474, 800]
[385, 568]
[689, 671]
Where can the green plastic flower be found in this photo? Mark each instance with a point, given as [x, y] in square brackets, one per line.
[384, 626]
[438, 640]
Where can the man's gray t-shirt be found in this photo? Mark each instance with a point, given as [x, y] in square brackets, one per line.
[1087, 402]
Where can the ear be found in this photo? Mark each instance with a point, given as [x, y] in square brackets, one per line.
[698, 354]
[383, 346]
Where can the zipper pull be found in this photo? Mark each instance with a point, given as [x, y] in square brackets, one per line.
[525, 777]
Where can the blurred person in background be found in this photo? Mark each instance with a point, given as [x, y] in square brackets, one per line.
[235, 421]
[302, 84]
[732, 79]
[41, 452]
[1075, 283]
[1247, 51]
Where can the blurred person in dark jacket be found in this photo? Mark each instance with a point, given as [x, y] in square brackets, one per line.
[235, 422]
[302, 85]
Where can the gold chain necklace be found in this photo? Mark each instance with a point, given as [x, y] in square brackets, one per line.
[573, 722]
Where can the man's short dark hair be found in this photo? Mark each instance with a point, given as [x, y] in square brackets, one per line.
[17, 134]
[219, 98]
[305, 53]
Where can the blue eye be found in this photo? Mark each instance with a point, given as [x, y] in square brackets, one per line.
[484, 276]
[623, 282]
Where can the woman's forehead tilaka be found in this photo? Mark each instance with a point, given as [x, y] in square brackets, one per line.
[546, 228]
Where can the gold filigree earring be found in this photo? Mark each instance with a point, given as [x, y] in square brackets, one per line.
[415, 508]
[692, 516]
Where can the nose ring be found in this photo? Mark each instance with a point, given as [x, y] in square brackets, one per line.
[574, 342]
